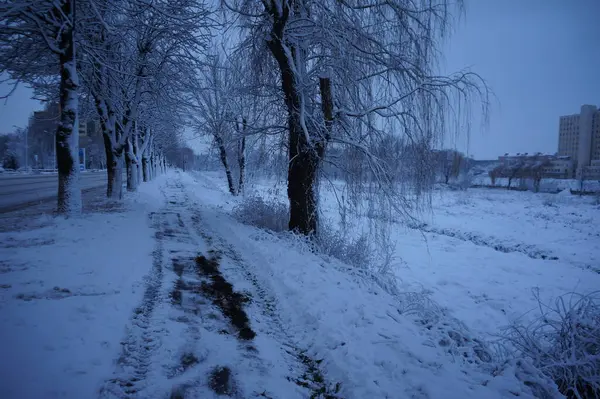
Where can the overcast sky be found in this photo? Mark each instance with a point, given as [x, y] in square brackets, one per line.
[540, 57]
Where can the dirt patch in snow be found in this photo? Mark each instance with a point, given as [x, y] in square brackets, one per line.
[221, 381]
[230, 302]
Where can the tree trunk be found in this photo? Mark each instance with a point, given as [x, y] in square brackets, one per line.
[225, 162]
[303, 159]
[145, 171]
[151, 166]
[242, 157]
[67, 133]
[138, 166]
[114, 170]
[131, 164]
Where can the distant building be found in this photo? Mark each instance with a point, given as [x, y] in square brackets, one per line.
[550, 166]
[560, 167]
[579, 139]
[42, 139]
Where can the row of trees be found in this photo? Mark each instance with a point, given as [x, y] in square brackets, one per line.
[303, 86]
[523, 168]
[121, 63]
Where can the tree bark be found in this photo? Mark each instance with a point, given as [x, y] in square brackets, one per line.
[67, 133]
[130, 173]
[225, 162]
[114, 170]
[152, 166]
[242, 157]
[145, 171]
[131, 164]
[327, 108]
[138, 166]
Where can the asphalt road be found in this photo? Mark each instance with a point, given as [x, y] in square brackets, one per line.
[18, 191]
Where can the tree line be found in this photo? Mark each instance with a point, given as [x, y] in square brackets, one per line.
[301, 86]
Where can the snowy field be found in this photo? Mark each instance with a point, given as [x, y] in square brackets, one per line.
[546, 185]
[483, 252]
[168, 295]
[487, 250]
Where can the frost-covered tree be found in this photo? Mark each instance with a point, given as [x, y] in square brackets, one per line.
[450, 163]
[220, 110]
[142, 53]
[350, 72]
[37, 46]
[212, 111]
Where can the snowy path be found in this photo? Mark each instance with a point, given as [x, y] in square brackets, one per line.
[191, 336]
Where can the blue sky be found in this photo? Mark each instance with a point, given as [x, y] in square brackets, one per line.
[541, 58]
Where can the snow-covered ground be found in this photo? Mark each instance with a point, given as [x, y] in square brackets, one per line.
[546, 185]
[67, 289]
[482, 252]
[172, 296]
[487, 250]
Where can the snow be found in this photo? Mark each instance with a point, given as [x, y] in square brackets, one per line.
[487, 250]
[67, 291]
[137, 304]
[482, 253]
[546, 185]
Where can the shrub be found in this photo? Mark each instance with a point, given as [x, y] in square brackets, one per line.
[270, 214]
[10, 161]
[355, 252]
[564, 343]
[274, 215]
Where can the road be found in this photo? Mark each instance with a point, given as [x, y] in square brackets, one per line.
[18, 191]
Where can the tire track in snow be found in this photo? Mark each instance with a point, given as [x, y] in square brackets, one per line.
[141, 339]
[136, 367]
[182, 341]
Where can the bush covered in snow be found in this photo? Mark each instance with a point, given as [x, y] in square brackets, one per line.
[274, 215]
[564, 343]
[265, 214]
[355, 252]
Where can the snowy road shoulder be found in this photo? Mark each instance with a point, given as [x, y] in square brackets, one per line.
[67, 289]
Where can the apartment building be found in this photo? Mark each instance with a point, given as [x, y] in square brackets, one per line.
[41, 140]
[579, 139]
[550, 166]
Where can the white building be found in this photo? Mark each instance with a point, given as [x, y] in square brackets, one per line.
[579, 138]
[560, 168]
